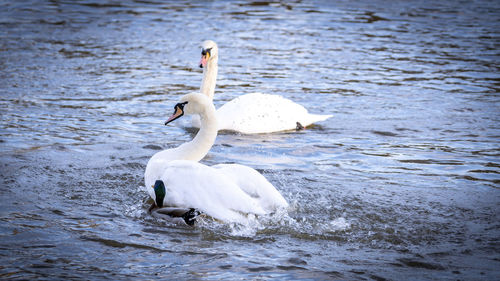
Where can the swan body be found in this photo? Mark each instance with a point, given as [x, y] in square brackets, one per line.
[228, 192]
[190, 184]
[263, 113]
[252, 113]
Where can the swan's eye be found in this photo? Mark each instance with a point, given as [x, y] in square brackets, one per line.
[204, 52]
[181, 105]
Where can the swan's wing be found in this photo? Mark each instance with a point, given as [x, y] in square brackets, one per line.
[255, 185]
[263, 113]
[193, 185]
[258, 113]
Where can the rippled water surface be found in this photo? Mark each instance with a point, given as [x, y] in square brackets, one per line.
[401, 183]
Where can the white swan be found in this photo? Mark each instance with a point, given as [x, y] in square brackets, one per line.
[227, 192]
[252, 113]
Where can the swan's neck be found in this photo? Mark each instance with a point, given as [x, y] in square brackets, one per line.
[194, 150]
[197, 148]
[209, 78]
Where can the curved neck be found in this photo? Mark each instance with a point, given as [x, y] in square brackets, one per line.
[197, 148]
[194, 150]
[209, 78]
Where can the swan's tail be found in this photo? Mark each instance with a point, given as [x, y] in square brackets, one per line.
[313, 118]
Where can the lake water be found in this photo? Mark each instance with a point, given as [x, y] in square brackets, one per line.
[401, 183]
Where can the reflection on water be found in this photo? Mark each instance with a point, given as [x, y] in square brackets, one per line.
[401, 183]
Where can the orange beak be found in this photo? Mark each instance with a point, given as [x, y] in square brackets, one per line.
[178, 113]
[204, 59]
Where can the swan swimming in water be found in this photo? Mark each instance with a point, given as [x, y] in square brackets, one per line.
[228, 192]
[251, 113]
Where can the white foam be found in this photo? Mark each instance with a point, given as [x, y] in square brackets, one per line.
[338, 224]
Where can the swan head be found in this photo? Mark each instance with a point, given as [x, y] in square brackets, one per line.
[159, 189]
[209, 52]
[189, 104]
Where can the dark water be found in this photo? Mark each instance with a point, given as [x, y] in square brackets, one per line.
[402, 183]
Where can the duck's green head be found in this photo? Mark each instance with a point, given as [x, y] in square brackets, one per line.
[159, 188]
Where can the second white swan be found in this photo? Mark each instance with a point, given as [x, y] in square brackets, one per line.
[252, 113]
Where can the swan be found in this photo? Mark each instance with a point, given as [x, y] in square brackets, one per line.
[227, 192]
[252, 113]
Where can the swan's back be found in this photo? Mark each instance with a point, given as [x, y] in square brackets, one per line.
[255, 185]
[264, 113]
[193, 185]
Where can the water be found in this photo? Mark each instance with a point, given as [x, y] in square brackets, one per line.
[402, 183]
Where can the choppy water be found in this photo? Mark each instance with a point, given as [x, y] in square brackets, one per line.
[402, 183]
